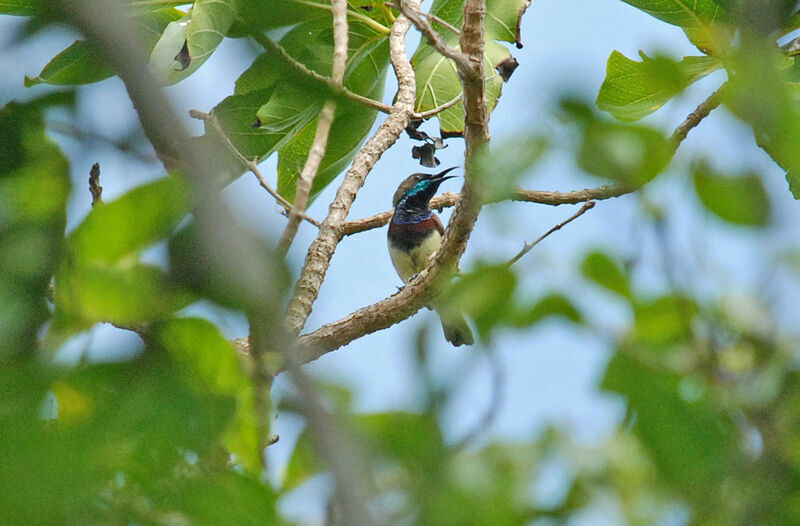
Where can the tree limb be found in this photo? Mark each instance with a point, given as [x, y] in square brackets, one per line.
[324, 122]
[322, 249]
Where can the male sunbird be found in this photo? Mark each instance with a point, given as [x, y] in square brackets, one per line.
[415, 234]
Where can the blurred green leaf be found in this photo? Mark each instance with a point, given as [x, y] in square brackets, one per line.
[131, 223]
[193, 38]
[665, 320]
[626, 153]
[34, 185]
[742, 199]
[19, 7]
[412, 439]
[82, 63]
[484, 294]
[603, 270]
[690, 441]
[550, 305]
[126, 295]
[237, 270]
[303, 464]
[499, 169]
[632, 90]
[774, 114]
[704, 21]
[210, 363]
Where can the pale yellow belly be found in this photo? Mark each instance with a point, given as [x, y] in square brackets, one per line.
[413, 262]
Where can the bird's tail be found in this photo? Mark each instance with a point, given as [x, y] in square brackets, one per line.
[456, 330]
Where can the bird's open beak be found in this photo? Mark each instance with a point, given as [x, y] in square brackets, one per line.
[441, 176]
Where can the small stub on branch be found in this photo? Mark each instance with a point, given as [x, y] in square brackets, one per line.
[94, 185]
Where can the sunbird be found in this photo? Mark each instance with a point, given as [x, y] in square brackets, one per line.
[415, 234]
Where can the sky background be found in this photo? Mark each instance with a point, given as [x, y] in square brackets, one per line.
[549, 373]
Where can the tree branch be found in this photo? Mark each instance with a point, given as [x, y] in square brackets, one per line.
[322, 249]
[337, 88]
[250, 165]
[324, 122]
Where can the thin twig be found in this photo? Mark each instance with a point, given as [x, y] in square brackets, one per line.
[434, 18]
[449, 104]
[694, 118]
[251, 166]
[337, 88]
[94, 185]
[324, 122]
[528, 246]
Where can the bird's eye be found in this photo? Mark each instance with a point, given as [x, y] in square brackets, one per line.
[417, 177]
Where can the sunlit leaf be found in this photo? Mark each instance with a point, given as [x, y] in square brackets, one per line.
[741, 199]
[83, 63]
[304, 462]
[549, 306]
[19, 7]
[704, 21]
[201, 31]
[632, 89]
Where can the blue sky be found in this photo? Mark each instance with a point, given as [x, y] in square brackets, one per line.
[551, 371]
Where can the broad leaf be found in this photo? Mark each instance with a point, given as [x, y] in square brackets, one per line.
[131, 223]
[664, 321]
[634, 89]
[19, 7]
[626, 153]
[437, 77]
[192, 38]
[484, 294]
[209, 363]
[81, 63]
[704, 21]
[742, 199]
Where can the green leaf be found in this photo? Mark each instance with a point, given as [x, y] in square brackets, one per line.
[200, 32]
[484, 294]
[19, 7]
[34, 186]
[741, 200]
[352, 121]
[238, 270]
[626, 153]
[131, 223]
[210, 363]
[666, 320]
[600, 268]
[774, 114]
[127, 296]
[274, 106]
[437, 77]
[303, 464]
[499, 169]
[703, 20]
[81, 63]
[550, 305]
[689, 441]
[634, 89]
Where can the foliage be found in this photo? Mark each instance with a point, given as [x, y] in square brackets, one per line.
[175, 434]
